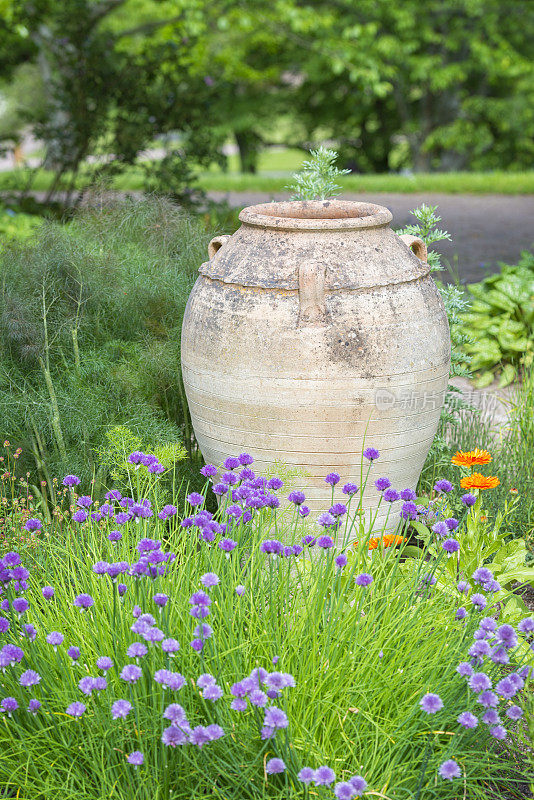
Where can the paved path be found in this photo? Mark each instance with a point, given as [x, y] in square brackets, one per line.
[485, 229]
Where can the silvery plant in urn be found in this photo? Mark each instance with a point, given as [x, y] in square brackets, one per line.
[312, 332]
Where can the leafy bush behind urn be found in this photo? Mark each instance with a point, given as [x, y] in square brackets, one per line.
[501, 318]
[90, 316]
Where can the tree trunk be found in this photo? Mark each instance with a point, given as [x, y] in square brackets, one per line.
[248, 144]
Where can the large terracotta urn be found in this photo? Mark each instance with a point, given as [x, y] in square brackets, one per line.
[311, 330]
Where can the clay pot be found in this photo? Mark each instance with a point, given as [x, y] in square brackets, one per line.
[312, 327]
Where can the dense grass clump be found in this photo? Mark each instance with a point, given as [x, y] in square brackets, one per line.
[249, 654]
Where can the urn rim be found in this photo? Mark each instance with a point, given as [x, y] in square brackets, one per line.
[315, 215]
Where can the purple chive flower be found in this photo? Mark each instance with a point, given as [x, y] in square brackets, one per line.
[258, 698]
[197, 645]
[482, 575]
[514, 712]
[4, 625]
[408, 494]
[451, 545]
[195, 499]
[34, 706]
[468, 499]
[136, 758]
[488, 699]
[461, 613]
[390, 496]
[104, 663]
[467, 720]
[137, 650]
[332, 478]
[29, 678]
[297, 498]
[55, 638]
[33, 525]
[175, 713]
[131, 673]
[86, 684]
[101, 568]
[8, 705]
[326, 542]
[83, 601]
[238, 704]
[208, 471]
[212, 692]
[233, 463]
[506, 688]
[306, 775]
[114, 536]
[358, 784]
[491, 717]
[452, 523]
[75, 709]
[227, 545]
[170, 646]
[20, 605]
[73, 653]
[326, 519]
[80, 516]
[449, 770]
[384, 483]
[274, 484]
[205, 680]
[526, 625]
[463, 586]
[343, 791]
[498, 732]
[350, 489]
[209, 580]
[430, 703]
[173, 736]
[304, 511]
[120, 709]
[364, 579]
[240, 590]
[338, 510]
[274, 766]
[441, 529]
[220, 489]
[371, 454]
[409, 510]
[245, 459]
[84, 501]
[341, 561]
[71, 480]
[275, 718]
[492, 586]
[507, 636]
[479, 601]
[443, 486]
[479, 682]
[324, 776]
[161, 600]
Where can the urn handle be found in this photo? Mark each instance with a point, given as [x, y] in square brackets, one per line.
[416, 245]
[312, 310]
[216, 244]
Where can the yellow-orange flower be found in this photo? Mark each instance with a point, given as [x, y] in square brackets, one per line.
[471, 458]
[388, 540]
[478, 481]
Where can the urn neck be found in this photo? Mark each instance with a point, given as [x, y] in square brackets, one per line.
[316, 215]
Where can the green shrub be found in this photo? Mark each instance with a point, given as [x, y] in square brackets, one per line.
[501, 321]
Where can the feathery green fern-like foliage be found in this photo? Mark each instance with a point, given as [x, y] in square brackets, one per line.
[90, 317]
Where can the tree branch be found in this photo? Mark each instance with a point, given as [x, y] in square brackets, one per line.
[147, 27]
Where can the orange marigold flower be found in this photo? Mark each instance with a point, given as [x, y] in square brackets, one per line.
[514, 491]
[478, 481]
[471, 457]
[390, 539]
